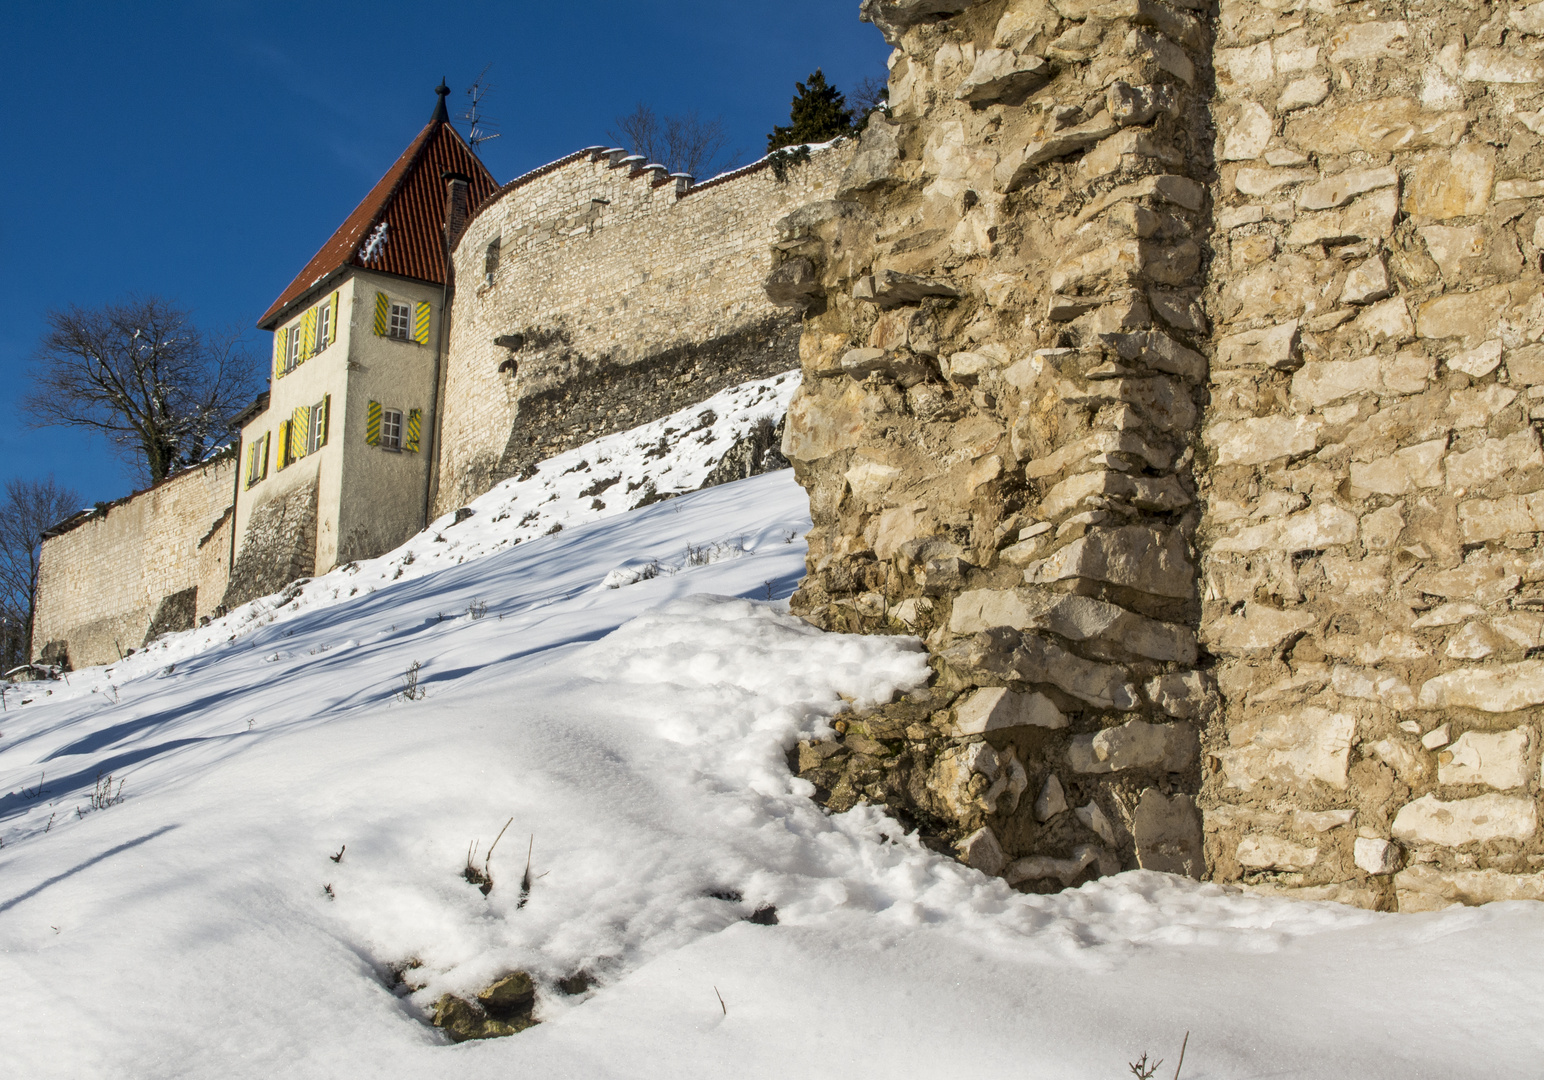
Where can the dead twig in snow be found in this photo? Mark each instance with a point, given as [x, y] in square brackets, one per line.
[339, 856]
[525, 879]
[721, 1004]
[1181, 1064]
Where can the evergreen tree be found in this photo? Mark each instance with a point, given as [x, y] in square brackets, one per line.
[819, 114]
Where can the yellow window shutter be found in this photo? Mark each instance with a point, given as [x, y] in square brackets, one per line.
[308, 345]
[284, 443]
[299, 424]
[382, 306]
[332, 319]
[373, 423]
[326, 419]
[265, 457]
[252, 464]
[278, 354]
[421, 323]
[415, 422]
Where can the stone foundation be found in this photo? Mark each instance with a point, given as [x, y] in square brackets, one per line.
[279, 546]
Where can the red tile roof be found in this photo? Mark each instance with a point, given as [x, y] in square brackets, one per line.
[410, 200]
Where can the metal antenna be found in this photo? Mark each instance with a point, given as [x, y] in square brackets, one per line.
[480, 128]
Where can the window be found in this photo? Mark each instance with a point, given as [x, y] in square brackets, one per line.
[316, 438]
[391, 429]
[491, 260]
[400, 324]
[292, 358]
[323, 326]
[257, 460]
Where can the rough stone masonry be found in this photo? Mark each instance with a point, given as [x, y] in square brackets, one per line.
[1176, 373]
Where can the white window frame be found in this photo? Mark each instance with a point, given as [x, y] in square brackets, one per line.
[399, 320]
[292, 352]
[323, 325]
[391, 429]
[314, 436]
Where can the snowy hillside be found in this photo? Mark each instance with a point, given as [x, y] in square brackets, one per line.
[625, 690]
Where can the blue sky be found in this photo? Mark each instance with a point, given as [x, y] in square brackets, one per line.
[204, 151]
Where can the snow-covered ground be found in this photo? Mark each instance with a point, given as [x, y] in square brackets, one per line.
[636, 735]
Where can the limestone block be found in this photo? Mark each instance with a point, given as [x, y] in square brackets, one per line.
[1100, 442]
[794, 284]
[1040, 867]
[1375, 855]
[889, 289]
[1246, 131]
[1320, 382]
[1336, 191]
[1497, 759]
[1530, 19]
[1167, 55]
[1000, 75]
[1186, 695]
[1368, 281]
[1239, 69]
[1262, 439]
[981, 851]
[1504, 688]
[1481, 580]
[1161, 493]
[1129, 105]
[1454, 183]
[1136, 744]
[1167, 833]
[1437, 737]
[1404, 472]
[1263, 851]
[1501, 66]
[877, 159]
[1474, 642]
[1015, 169]
[1381, 528]
[1424, 887]
[870, 481]
[895, 17]
[1495, 519]
[1257, 630]
[1387, 320]
[1303, 93]
[1477, 362]
[1159, 351]
[1470, 315]
[1145, 558]
[1052, 800]
[1475, 408]
[995, 708]
[1387, 124]
[1095, 820]
[1077, 618]
[1494, 458]
[1484, 818]
[1370, 217]
[822, 422]
[1449, 246]
[1370, 41]
[1321, 526]
[1273, 347]
[1367, 685]
[1310, 744]
[1261, 182]
[1103, 685]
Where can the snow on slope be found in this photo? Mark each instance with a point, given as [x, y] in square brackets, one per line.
[637, 734]
[599, 480]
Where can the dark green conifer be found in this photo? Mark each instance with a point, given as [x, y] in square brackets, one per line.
[819, 114]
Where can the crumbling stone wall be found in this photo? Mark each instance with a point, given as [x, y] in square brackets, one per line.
[594, 295]
[279, 546]
[997, 427]
[1172, 372]
[111, 579]
[1370, 543]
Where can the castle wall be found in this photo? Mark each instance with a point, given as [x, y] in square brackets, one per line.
[1175, 381]
[629, 301]
[154, 562]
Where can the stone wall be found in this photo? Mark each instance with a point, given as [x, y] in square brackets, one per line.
[593, 296]
[151, 563]
[1170, 372]
[279, 545]
[1369, 549]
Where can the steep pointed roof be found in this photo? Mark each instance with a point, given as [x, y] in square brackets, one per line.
[410, 202]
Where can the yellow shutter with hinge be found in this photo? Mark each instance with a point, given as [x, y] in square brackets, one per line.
[382, 307]
[265, 457]
[421, 323]
[332, 320]
[373, 423]
[278, 354]
[284, 442]
[251, 464]
[325, 420]
[308, 335]
[299, 429]
[415, 422]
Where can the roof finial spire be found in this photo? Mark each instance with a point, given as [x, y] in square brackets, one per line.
[440, 113]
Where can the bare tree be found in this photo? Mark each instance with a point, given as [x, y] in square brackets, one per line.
[685, 143]
[29, 507]
[162, 390]
[868, 95]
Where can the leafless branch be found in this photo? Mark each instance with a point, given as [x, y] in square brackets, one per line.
[685, 143]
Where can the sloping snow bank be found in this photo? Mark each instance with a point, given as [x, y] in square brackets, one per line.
[599, 480]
